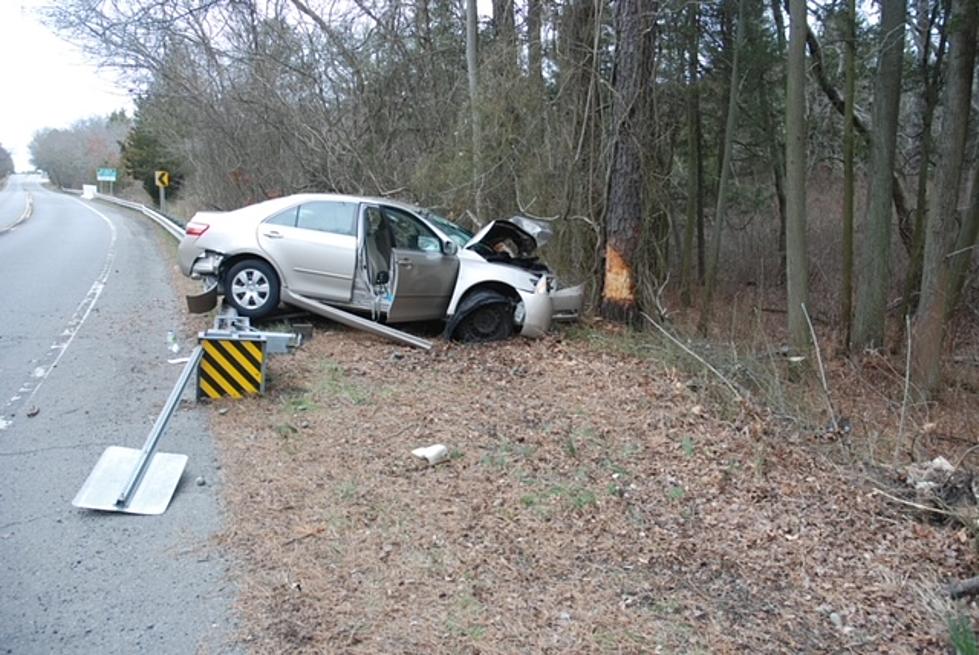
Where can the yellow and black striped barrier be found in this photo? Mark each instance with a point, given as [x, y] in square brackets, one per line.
[232, 367]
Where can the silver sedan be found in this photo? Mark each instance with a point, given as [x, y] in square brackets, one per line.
[386, 259]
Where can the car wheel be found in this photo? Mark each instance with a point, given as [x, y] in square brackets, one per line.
[252, 288]
[492, 320]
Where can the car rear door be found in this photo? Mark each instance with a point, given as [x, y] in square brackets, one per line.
[315, 247]
[423, 276]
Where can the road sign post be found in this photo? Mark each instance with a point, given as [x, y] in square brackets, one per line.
[162, 182]
[106, 175]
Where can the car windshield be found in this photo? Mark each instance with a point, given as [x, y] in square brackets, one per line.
[458, 234]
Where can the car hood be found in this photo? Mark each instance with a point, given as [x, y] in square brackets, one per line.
[527, 234]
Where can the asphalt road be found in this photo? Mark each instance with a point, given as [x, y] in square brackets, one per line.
[85, 305]
[13, 199]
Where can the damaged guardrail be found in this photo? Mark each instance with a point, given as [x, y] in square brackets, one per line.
[229, 361]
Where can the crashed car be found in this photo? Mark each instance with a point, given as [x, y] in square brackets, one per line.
[389, 260]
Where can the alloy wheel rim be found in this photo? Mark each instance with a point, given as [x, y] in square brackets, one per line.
[250, 288]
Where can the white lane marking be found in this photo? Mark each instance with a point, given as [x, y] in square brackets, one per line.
[23, 217]
[41, 373]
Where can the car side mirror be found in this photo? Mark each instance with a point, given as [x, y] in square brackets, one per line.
[382, 278]
[450, 248]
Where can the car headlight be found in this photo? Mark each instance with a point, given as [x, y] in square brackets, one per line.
[541, 286]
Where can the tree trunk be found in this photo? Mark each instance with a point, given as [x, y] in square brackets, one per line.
[776, 150]
[506, 32]
[581, 107]
[929, 323]
[779, 19]
[776, 145]
[926, 110]
[731, 125]
[534, 56]
[832, 94]
[694, 183]
[874, 246]
[796, 252]
[472, 67]
[847, 292]
[423, 25]
[633, 52]
[964, 248]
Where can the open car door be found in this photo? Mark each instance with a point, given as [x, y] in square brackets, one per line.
[423, 276]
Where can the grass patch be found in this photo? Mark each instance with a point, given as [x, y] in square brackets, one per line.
[505, 455]
[332, 381]
[962, 635]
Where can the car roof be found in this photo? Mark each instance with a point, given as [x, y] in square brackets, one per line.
[269, 207]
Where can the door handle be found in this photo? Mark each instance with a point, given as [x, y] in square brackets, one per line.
[404, 261]
[272, 234]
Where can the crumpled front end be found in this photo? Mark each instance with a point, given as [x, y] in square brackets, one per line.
[567, 303]
[538, 310]
[533, 314]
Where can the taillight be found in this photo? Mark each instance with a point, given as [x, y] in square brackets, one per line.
[196, 229]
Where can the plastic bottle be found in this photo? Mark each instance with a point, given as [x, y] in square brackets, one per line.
[172, 344]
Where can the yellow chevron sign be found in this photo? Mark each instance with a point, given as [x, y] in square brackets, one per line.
[163, 179]
[231, 367]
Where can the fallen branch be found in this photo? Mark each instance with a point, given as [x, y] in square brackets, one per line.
[700, 359]
[907, 386]
[923, 508]
[822, 371]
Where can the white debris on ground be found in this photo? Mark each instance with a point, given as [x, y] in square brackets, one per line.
[924, 477]
[434, 454]
[939, 484]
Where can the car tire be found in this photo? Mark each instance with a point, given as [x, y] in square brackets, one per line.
[490, 320]
[252, 287]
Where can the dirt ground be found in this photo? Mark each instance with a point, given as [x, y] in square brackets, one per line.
[596, 500]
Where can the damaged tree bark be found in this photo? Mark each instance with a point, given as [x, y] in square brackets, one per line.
[633, 55]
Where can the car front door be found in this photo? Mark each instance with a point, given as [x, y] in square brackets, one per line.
[423, 276]
[315, 247]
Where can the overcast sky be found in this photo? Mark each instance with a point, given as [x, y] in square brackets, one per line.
[45, 82]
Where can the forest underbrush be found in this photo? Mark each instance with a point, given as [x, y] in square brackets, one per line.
[606, 491]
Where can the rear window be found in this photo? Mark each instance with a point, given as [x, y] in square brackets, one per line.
[333, 217]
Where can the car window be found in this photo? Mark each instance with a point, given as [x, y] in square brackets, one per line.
[455, 232]
[410, 233]
[334, 217]
[286, 218]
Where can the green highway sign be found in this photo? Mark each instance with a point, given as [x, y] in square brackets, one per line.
[105, 175]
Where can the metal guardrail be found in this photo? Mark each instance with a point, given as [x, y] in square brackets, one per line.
[173, 228]
[170, 225]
